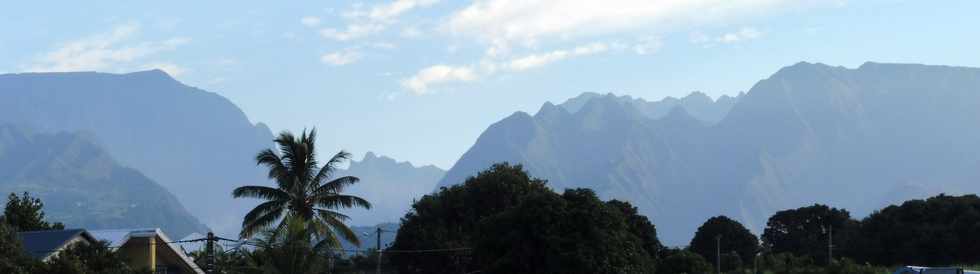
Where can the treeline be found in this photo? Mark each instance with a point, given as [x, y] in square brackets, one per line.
[504, 221]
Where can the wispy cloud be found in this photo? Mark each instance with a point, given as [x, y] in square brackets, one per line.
[111, 50]
[340, 58]
[504, 23]
[741, 35]
[421, 82]
[363, 22]
[537, 60]
[353, 31]
[310, 21]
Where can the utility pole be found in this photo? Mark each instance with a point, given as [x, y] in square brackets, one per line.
[379, 249]
[830, 246]
[209, 249]
[718, 252]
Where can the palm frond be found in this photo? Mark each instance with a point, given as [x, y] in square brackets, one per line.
[337, 185]
[341, 228]
[269, 158]
[327, 169]
[260, 192]
[258, 224]
[334, 201]
[264, 209]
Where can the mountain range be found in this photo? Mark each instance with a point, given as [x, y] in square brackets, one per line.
[81, 185]
[195, 143]
[810, 133]
[389, 185]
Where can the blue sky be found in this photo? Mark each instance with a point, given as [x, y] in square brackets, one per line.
[419, 80]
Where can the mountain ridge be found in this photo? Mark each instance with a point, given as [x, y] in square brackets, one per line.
[808, 133]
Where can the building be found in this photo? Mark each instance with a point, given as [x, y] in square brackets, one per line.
[150, 249]
[46, 244]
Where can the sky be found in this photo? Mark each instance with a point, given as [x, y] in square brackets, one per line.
[419, 80]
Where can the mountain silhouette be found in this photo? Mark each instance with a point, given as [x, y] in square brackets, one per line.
[810, 133]
[82, 186]
[195, 143]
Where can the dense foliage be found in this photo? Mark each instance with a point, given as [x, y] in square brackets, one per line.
[806, 231]
[683, 261]
[941, 230]
[734, 238]
[515, 224]
[23, 213]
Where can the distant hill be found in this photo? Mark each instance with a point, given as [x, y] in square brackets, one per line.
[390, 186]
[195, 143]
[853, 138]
[82, 186]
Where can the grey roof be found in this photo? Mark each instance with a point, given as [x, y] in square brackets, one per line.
[41, 244]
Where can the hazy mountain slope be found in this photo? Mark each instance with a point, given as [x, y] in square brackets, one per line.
[809, 133]
[390, 186]
[82, 186]
[195, 143]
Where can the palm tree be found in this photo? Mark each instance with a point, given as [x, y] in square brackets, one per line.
[302, 192]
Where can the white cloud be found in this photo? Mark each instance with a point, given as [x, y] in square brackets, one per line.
[310, 21]
[340, 58]
[742, 35]
[170, 68]
[394, 9]
[438, 74]
[422, 81]
[648, 45]
[366, 22]
[537, 60]
[113, 49]
[353, 31]
[411, 32]
[502, 23]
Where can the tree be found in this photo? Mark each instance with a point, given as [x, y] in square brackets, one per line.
[734, 237]
[12, 257]
[515, 224]
[683, 261]
[805, 231]
[302, 191]
[287, 251]
[23, 213]
[570, 233]
[450, 218]
[640, 226]
[941, 230]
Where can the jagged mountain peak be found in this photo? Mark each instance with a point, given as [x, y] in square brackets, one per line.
[809, 133]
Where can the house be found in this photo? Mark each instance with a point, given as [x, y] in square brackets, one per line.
[46, 244]
[148, 248]
[933, 270]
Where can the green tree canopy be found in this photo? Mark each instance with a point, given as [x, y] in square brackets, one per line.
[24, 213]
[640, 226]
[942, 230]
[683, 262]
[515, 224]
[734, 238]
[570, 233]
[805, 231]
